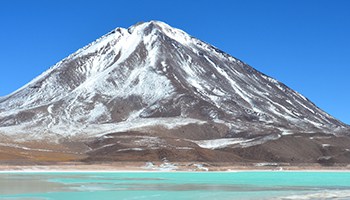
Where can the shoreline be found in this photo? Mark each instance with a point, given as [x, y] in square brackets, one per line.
[157, 167]
[140, 171]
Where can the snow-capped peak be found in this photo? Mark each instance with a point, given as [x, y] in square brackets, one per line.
[152, 70]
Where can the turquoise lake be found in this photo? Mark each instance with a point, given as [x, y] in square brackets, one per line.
[175, 185]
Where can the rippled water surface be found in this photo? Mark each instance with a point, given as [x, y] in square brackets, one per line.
[176, 185]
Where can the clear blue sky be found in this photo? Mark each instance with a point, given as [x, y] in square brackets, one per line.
[303, 43]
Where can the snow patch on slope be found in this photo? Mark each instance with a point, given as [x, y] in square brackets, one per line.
[142, 123]
[219, 143]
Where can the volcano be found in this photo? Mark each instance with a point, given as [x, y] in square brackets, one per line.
[152, 92]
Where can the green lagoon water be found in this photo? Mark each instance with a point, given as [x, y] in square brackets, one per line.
[175, 185]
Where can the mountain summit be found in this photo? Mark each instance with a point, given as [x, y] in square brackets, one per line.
[150, 89]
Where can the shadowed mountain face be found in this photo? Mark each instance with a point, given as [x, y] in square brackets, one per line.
[153, 88]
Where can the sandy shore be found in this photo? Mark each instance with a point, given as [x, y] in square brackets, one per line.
[164, 166]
